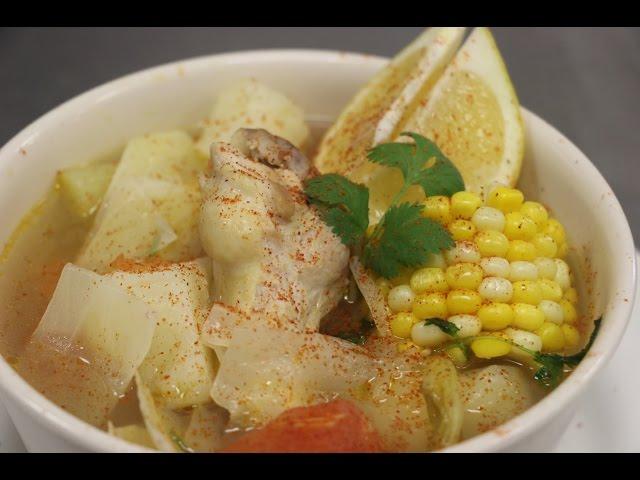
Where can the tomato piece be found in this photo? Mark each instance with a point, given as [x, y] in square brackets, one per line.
[336, 426]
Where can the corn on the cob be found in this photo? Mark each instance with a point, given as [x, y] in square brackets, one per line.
[504, 277]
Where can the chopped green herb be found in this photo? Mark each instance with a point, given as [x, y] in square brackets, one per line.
[446, 326]
[441, 178]
[402, 238]
[343, 205]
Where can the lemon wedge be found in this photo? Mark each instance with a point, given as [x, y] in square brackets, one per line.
[373, 114]
[465, 103]
[473, 115]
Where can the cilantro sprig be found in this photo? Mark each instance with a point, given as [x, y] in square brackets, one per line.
[440, 178]
[343, 205]
[446, 326]
[403, 237]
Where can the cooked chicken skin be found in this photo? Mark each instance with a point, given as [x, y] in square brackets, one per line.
[275, 261]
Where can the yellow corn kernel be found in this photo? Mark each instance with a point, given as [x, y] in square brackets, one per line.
[438, 208]
[457, 355]
[551, 336]
[505, 199]
[428, 280]
[430, 305]
[556, 231]
[571, 335]
[571, 294]
[462, 229]
[521, 250]
[384, 286]
[536, 212]
[487, 347]
[527, 317]
[518, 226]
[550, 290]
[401, 324]
[464, 276]
[463, 301]
[545, 245]
[495, 316]
[563, 249]
[464, 204]
[491, 243]
[400, 298]
[569, 311]
[527, 291]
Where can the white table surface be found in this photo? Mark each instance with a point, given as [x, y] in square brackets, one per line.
[607, 417]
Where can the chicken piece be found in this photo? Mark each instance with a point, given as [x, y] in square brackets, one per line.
[275, 262]
[261, 146]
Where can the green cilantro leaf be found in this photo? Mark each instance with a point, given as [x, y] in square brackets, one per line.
[403, 238]
[343, 205]
[551, 365]
[441, 178]
[550, 369]
[446, 326]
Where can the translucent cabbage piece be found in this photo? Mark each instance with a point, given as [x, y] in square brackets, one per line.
[494, 395]
[442, 389]
[376, 302]
[151, 205]
[178, 368]
[251, 104]
[134, 433]
[89, 343]
[265, 372]
[165, 426]
[206, 428]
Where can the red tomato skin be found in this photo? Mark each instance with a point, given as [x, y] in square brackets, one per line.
[334, 427]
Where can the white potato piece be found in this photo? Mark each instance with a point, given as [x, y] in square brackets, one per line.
[251, 104]
[494, 395]
[89, 343]
[83, 187]
[151, 205]
[178, 369]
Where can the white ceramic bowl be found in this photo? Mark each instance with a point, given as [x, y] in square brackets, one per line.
[179, 94]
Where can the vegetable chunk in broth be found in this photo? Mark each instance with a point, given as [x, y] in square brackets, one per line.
[256, 284]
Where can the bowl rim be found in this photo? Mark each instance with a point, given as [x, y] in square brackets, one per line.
[49, 415]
